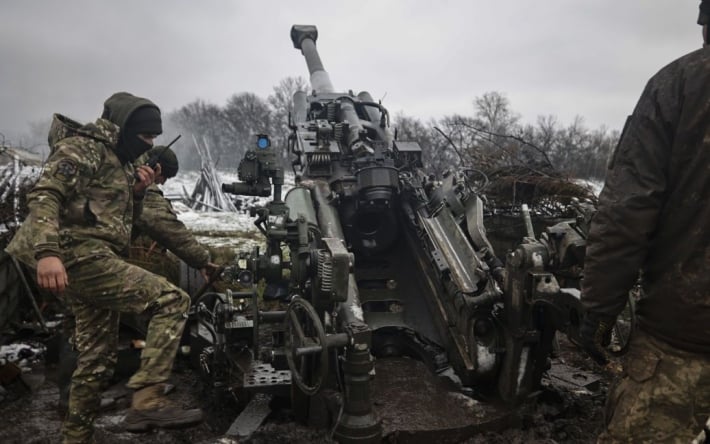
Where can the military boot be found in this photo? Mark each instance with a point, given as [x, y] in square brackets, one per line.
[150, 408]
[65, 368]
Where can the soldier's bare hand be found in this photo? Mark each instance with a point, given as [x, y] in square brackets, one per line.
[51, 274]
[146, 176]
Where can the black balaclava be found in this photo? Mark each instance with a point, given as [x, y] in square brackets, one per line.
[133, 115]
[144, 120]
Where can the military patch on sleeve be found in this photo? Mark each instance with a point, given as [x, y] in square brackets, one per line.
[66, 169]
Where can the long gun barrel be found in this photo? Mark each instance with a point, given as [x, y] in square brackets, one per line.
[304, 38]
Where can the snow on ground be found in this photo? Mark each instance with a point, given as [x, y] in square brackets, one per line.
[215, 228]
[594, 185]
[18, 169]
[220, 229]
[21, 353]
[211, 228]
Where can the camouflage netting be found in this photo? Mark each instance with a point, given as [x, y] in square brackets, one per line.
[547, 194]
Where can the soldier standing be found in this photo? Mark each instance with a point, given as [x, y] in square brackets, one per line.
[81, 213]
[159, 222]
[653, 216]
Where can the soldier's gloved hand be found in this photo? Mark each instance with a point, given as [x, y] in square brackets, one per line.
[595, 335]
[209, 270]
[51, 274]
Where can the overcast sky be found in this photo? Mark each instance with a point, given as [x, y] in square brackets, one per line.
[426, 58]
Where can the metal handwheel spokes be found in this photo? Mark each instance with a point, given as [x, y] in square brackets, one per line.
[304, 342]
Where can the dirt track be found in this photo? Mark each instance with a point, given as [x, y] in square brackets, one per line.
[561, 413]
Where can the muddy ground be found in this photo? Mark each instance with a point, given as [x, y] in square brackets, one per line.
[564, 411]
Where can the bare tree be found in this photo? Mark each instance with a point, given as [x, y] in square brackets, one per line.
[228, 130]
[281, 103]
[246, 115]
[492, 109]
[436, 155]
[202, 120]
[492, 138]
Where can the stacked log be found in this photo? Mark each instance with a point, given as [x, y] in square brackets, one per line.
[208, 194]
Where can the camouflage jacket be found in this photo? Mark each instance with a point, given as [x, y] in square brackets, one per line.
[159, 222]
[82, 206]
[654, 210]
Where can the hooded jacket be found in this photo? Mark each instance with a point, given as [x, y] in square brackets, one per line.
[82, 206]
[654, 210]
[118, 109]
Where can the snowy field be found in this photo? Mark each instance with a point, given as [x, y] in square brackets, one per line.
[217, 228]
[213, 228]
[16, 170]
[21, 353]
[594, 185]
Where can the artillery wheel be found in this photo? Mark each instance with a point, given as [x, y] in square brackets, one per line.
[303, 328]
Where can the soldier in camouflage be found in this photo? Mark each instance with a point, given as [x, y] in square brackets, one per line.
[159, 221]
[81, 213]
[653, 216]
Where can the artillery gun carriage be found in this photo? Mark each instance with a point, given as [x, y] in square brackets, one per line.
[376, 258]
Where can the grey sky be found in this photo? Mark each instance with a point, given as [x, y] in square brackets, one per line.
[426, 58]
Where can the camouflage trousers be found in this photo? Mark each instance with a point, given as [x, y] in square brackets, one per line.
[663, 396]
[99, 290]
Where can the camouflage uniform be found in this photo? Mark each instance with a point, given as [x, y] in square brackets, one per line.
[159, 222]
[82, 210]
[653, 216]
[663, 396]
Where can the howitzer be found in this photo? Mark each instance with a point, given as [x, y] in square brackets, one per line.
[378, 259]
[704, 436]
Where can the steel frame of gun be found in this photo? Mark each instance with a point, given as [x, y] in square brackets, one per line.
[704, 435]
[379, 259]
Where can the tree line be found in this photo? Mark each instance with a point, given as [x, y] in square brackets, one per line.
[230, 130]
[493, 136]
